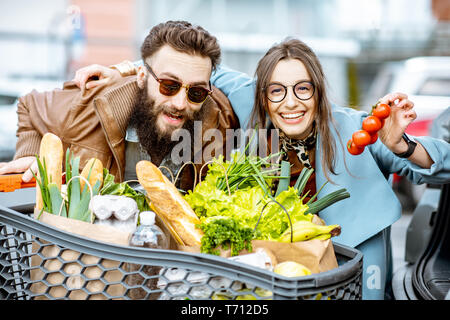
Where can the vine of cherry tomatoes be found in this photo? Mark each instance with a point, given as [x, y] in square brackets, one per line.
[370, 126]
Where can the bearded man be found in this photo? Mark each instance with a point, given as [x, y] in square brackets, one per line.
[128, 119]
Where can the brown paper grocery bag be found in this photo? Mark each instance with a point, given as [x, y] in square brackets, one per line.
[58, 285]
[316, 255]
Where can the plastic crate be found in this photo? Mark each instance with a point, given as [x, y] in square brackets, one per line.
[158, 274]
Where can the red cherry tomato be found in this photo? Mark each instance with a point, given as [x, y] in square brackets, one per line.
[353, 149]
[371, 124]
[361, 138]
[373, 138]
[381, 111]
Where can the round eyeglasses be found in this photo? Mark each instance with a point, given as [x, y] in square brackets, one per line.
[276, 92]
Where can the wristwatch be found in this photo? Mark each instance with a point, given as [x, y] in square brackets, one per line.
[411, 147]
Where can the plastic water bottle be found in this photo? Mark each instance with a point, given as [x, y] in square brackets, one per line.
[147, 235]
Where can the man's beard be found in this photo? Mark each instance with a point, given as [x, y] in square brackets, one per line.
[144, 119]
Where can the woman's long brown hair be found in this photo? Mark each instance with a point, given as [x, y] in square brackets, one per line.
[296, 49]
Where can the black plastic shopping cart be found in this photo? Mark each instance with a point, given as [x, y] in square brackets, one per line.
[38, 261]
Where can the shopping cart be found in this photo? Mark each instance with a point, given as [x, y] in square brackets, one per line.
[38, 261]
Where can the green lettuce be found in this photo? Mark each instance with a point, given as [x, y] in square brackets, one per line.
[275, 221]
[225, 232]
[123, 189]
[225, 217]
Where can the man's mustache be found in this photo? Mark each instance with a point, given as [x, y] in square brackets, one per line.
[185, 113]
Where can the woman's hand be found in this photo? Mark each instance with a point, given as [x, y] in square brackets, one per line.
[25, 164]
[95, 71]
[402, 114]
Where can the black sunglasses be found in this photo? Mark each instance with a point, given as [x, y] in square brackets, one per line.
[169, 87]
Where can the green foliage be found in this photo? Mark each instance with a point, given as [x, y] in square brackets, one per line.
[123, 189]
[225, 232]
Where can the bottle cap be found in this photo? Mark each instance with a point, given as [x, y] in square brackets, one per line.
[147, 217]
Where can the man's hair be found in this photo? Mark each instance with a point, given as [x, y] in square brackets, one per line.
[184, 37]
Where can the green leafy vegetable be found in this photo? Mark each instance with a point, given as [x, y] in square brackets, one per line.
[74, 184]
[283, 184]
[227, 233]
[76, 203]
[57, 200]
[228, 212]
[123, 189]
[242, 207]
[43, 185]
[76, 206]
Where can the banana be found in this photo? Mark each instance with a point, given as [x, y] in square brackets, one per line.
[305, 230]
[324, 236]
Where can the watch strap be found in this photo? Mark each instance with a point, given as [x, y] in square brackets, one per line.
[411, 147]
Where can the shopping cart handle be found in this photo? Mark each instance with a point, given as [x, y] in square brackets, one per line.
[11, 182]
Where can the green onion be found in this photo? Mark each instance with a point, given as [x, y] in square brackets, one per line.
[327, 200]
[79, 202]
[43, 185]
[75, 187]
[68, 173]
[303, 179]
[57, 200]
[284, 182]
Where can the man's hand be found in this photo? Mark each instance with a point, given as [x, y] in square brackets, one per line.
[104, 74]
[402, 114]
[25, 164]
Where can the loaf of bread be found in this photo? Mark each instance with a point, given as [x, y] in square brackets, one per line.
[51, 150]
[169, 203]
[93, 169]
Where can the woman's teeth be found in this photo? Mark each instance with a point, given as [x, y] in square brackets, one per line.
[292, 115]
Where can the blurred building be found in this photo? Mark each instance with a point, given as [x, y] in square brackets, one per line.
[52, 38]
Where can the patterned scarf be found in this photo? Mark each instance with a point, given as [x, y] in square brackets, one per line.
[301, 147]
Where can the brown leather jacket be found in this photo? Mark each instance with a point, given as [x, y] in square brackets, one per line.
[93, 123]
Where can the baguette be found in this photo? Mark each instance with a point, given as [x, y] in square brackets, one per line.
[96, 173]
[51, 150]
[168, 203]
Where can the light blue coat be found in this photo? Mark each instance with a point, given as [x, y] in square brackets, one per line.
[365, 217]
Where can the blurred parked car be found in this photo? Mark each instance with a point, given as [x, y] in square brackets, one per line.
[426, 81]
[10, 90]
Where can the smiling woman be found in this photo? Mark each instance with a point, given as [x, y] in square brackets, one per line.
[291, 90]
[291, 97]
[292, 111]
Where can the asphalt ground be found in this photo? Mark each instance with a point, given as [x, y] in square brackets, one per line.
[398, 239]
